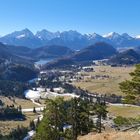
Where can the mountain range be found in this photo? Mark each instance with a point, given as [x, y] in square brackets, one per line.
[71, 39]
[15, 58]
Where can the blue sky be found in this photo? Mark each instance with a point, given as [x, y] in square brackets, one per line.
[85, 16]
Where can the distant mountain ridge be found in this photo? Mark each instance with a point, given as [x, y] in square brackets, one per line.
[18, 53]
[100, 50]
[11, 54]
[52, 51]
[14, 65]
[97, 51]
[128, 57]
[71, 39]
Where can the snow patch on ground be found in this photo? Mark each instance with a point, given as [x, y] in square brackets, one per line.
[61, 95]
[38, 109]
[30, 134]
[31, 94]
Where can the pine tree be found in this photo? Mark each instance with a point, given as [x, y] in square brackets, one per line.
[132, 87]
[20, 108]
[74, 118]
[100, 110]
[32, 125]
[74, 113]
[80, 112]
[54, 119]
[34, 110]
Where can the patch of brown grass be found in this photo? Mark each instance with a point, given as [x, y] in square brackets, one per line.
[108, 85]
[124, 111]
[111, 136]
[18, 101]
[7, 126]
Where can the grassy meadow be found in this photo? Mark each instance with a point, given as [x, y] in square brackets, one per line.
[109, 85]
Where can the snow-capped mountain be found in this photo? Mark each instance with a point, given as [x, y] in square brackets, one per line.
[71, 35]
[71, 39]
[21, 38]
[123, 40]
[115, 36]
[93, 36]
[26, 33]
[112, 35]
[47, 35]
[127, 36]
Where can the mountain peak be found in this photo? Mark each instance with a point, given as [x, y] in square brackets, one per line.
[21, 34]
[45, 34]
[71, 32]
[70, 35]
[26, 30]
[125, 35]
[70, 38]
[111, 35]
[94, 36]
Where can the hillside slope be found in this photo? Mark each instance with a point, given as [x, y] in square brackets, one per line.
[112, 136]
[127, 57]
[97, 51]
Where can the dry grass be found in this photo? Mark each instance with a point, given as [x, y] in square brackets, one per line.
[23, 102]
[111, 136]
[124, 111]
[108, 85]
[7, 126]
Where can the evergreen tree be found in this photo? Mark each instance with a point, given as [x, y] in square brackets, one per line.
[100, 111]
[80, 112]
[32, 125]
[20, 108]
[132, 87]
[34, 110]
[75, 113]
[38, 121]
[54, 119]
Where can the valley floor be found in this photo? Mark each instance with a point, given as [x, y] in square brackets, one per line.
[104, 79]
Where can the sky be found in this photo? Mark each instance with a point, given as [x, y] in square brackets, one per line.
[85, 16]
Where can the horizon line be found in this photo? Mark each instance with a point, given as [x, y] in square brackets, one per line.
[61, 31]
